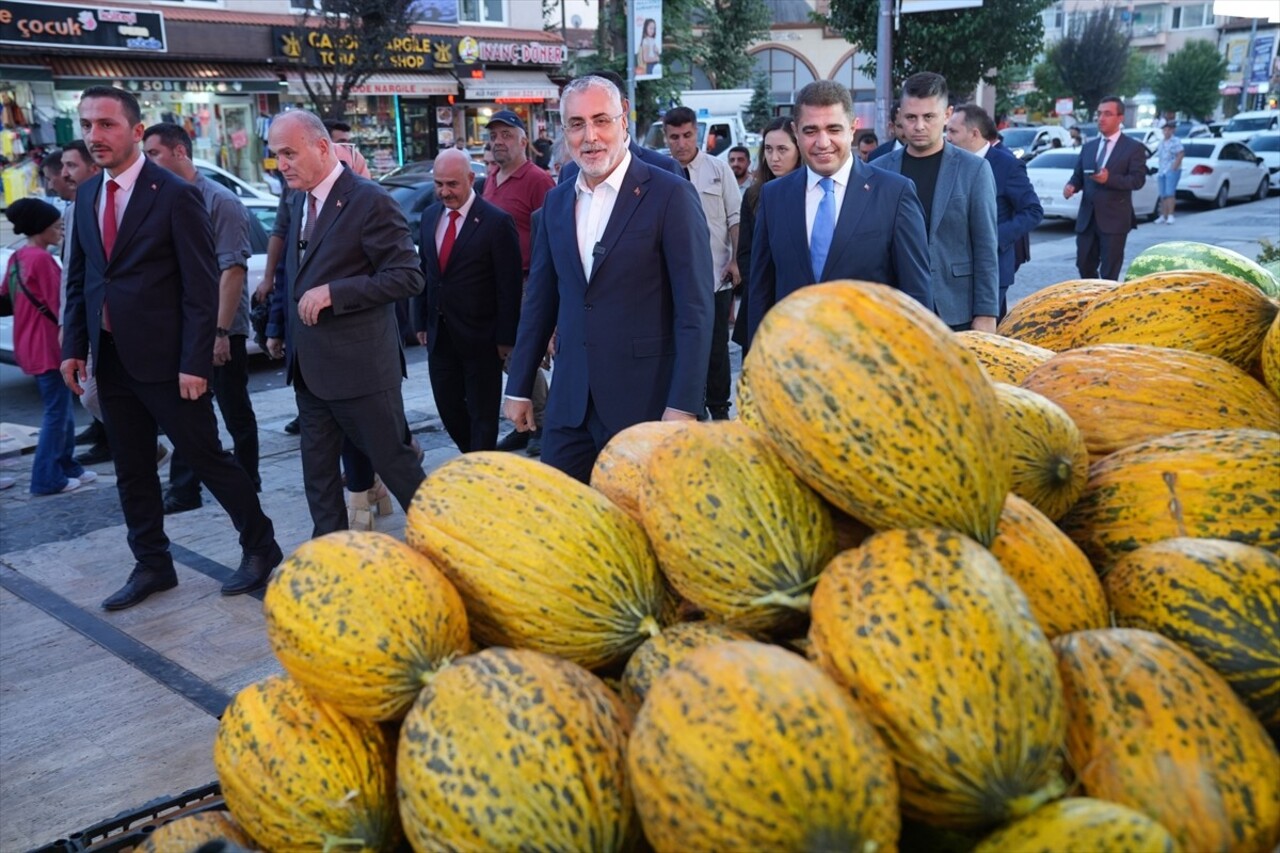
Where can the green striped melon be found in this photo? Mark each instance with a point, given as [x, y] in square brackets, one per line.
[1189, 255]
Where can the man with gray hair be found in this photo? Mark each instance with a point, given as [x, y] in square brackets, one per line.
[348, 257]
[625, 291]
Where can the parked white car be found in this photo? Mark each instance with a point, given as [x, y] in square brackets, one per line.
[1050, 172]
[1215, 171]
[1245, 124]
[1267, 146]
[1026, 142]
[1148, 136]
[242, 188]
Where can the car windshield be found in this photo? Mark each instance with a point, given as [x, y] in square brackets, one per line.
[1198, 149]
[1265, 143]
[1245, 124]
[1055, 160]
[1184, 128]
[1018, 138]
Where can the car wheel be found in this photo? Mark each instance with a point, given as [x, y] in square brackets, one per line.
[1262, 189]
[1220, 200]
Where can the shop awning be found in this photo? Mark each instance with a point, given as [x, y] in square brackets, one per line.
[407, 85]
[219, 77]
[510, 86]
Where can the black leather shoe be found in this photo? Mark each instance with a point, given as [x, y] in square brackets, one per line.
[534, 447]
[95, 455]
[143, 581]
[253, 572]
[174, 504]
[292, 427]
[94, 433]
[515, 440]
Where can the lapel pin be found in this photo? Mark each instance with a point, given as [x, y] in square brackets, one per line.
[866, 186]
[153, 186]
[637, 192]
[338, 203]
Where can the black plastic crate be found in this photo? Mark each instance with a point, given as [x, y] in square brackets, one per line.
[128, 829]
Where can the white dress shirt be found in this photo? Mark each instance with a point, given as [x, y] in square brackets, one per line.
[1111, 147]
[444, 221]
[593, 209]
[813, 195]
[125, 182]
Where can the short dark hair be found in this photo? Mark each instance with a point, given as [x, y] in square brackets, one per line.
[976, 118]
[171, 136]
[741, 149]
[1112, 99]
[868, 136]
[127, 101]
[677, 116]
[333, 124]
[925, 84]
[78, 146]
[824, 93]
[893, 111]
[52, 160]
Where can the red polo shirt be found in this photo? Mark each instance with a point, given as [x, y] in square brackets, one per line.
[520, 194]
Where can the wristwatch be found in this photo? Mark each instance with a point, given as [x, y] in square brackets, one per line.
[221, 332]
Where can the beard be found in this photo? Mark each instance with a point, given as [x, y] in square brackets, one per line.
[599, 166]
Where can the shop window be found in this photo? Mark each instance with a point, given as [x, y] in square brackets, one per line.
[482, 12]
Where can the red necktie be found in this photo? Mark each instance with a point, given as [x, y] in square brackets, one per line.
[108, 240]
[446, 244]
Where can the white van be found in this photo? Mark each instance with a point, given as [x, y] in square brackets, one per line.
[1245, 124]
[716, 135]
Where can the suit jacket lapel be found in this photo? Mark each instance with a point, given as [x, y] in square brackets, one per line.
[629, 196]
[140, 201]
[851, 211]
[792, 227]
[559, 206]
[468, 226]
[88, 230]
[942, 190]
[333, 207]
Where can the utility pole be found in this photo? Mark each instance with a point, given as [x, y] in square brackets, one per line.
[631, 66]
[884, 69]
[1246, 66]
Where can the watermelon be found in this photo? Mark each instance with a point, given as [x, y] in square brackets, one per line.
[1187, 255]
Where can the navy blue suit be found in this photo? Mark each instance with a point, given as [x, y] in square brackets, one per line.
[880, 236]
[1018, 212]
[467, 311]
[635, 338]
[569, 171]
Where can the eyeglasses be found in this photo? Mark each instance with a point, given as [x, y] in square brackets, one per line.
[602, 123]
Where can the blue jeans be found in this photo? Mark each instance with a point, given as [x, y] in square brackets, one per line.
[1168, 182]
[56, 446]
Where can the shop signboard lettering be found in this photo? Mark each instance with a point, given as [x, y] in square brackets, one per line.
[34, 25]
[337, 50]
[515, 53]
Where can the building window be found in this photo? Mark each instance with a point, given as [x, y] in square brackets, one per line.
[787, 74]
[1054, 18]
[1193, 16]
[492, 12]
[1145, 22]
[853, 79]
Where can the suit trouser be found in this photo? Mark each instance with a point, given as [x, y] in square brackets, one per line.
[719, 374]
[133, 409]
[467, 388]
[376, 425]
[230, 385]
[1099, 255]
[573, 449]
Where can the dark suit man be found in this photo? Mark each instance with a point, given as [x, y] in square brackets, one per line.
[569, 171]
[142, 295]
[619, 272]
[466, 317]
[349, 256]
[959, 197]
[1018, 209]
[875, 233]
[1110, 168]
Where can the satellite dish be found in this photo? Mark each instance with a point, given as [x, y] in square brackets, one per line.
[576, 20]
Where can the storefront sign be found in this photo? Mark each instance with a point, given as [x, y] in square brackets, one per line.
[337, 49]
[1261, 60]
[515, 53]
[34, 25]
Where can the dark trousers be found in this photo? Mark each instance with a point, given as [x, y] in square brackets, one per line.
[718, 372]
[1100, 255]
[376, 425]
[132, 410]
[573, 449]
[230, 386]
[468, 389]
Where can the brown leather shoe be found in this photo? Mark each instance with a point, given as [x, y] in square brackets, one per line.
[253, 572]
[143, 582]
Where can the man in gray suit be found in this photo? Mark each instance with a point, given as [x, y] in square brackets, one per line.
[348, 257]
[959, 197]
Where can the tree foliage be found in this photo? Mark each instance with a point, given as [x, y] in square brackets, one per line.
[1091, 61]
[1140, 73]
[760, 108]
[1188, 83]
[963, 45]
[359, 31]
[730, 28]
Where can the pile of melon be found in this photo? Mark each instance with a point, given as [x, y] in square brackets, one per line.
[931, 591]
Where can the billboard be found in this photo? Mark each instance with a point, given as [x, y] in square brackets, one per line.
[647, 21]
